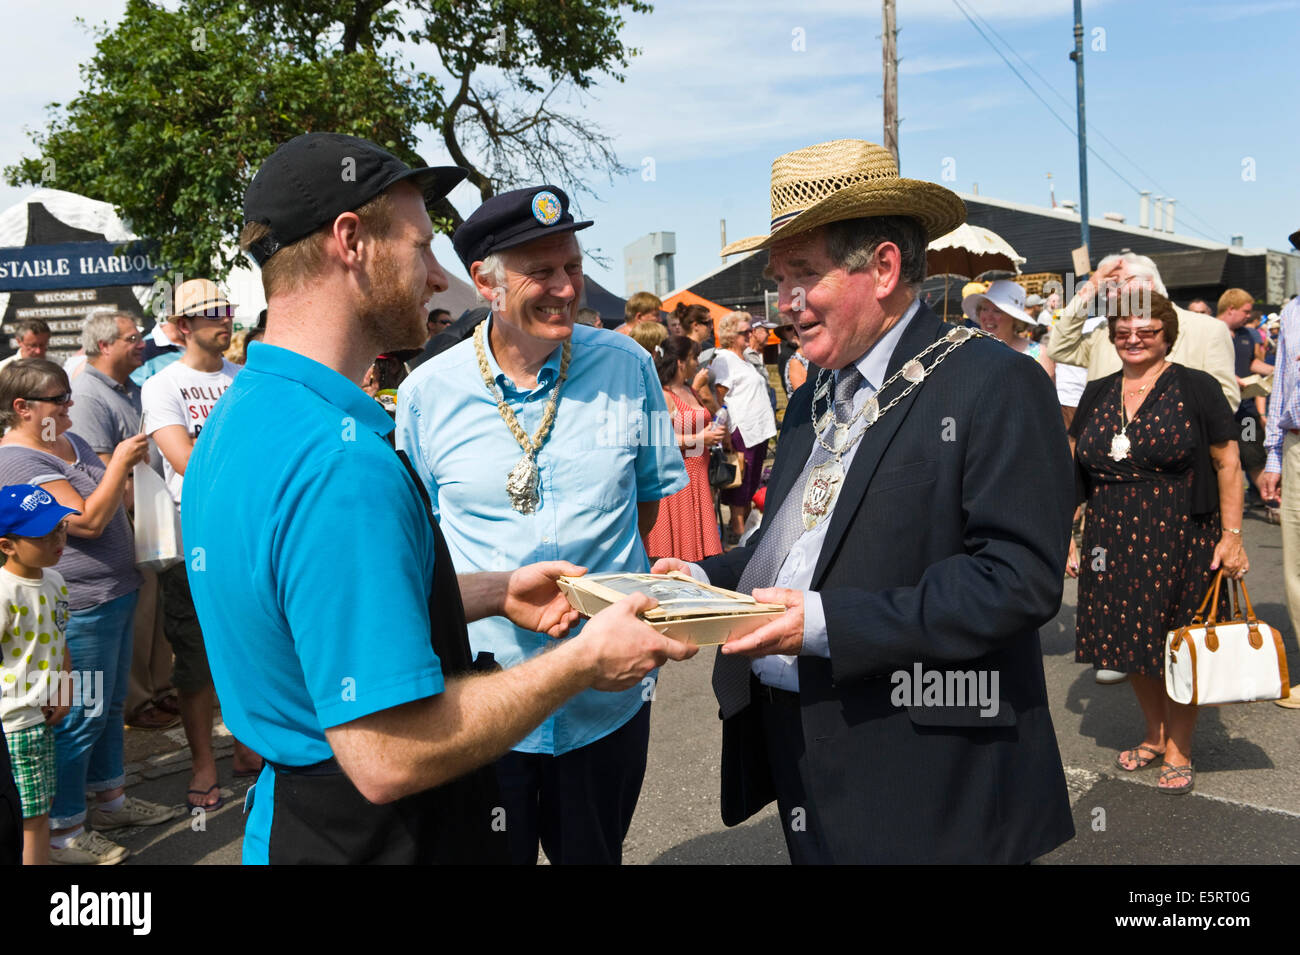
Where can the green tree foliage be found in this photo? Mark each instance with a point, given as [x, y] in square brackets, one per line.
[180, 108]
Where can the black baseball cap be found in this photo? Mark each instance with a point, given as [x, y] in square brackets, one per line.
[312, 179]
[512, 219]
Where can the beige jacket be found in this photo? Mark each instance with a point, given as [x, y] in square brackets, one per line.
[1203, 342]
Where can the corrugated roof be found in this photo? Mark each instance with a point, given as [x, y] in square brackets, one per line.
[1199, 267]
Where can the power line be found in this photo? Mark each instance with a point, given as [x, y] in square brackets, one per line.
[1062, 121]
[1046, 105]
[1185, 210]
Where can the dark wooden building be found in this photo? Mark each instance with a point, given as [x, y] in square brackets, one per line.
[1190, 267]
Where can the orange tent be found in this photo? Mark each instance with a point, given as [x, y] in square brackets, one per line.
[716, 311]
[687, 297]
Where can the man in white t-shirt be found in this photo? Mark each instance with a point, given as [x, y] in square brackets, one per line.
[176, 403]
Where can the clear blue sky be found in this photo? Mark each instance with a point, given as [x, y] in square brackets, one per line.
[1198, 97]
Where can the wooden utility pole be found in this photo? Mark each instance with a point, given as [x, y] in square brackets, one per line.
[890, 53]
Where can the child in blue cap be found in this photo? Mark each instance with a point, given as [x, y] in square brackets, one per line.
[33, 616]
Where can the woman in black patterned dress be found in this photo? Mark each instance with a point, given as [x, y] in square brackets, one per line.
[1157, 464]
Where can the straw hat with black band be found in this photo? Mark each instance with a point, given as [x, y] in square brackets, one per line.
[199, 298]
[849, 179]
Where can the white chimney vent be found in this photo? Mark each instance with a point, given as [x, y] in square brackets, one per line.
[1159, 223]
[1169, 214]
[1144, 209]
[1113, 217]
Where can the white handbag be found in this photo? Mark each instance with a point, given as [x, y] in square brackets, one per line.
[1234, 661]
[157, 522]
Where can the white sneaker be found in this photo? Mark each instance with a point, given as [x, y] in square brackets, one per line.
[89, 848]
[1107, 677]
[134, 812]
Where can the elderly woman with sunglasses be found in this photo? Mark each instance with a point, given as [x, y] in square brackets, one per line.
[98, 567]
[1156, 461]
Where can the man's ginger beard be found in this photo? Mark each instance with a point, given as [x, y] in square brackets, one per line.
[392, 315]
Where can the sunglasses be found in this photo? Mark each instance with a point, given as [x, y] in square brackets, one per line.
[63, 399]
[1144, 335]
[218, 314]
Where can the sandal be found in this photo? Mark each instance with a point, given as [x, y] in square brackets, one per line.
[1169, 772]
[203, 794]
[152, 717]
[1140, 755]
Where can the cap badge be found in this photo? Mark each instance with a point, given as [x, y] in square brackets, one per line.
[546, 208]
[35, 500]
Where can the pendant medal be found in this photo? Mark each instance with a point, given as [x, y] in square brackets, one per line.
[1119, 447]
[521, 485]
[820, 492]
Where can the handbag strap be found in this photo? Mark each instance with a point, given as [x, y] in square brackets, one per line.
[1252, 622]
[1211, 594]
[1245, 596]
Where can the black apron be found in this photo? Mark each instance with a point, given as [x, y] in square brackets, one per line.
[321, 818]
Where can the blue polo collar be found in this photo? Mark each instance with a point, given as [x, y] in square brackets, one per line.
[324, 381]
[546, 375]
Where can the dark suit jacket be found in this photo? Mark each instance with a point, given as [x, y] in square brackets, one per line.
[946, 547]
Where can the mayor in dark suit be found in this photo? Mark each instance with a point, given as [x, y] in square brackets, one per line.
[916, 531]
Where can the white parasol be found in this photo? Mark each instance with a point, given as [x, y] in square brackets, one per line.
[971, 250]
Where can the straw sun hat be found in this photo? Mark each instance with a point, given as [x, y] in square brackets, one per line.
[199, 298]
[849, 179]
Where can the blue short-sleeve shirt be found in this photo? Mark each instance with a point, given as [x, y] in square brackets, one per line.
[310, 557]
[612, 445]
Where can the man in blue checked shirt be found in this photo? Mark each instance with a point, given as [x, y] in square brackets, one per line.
[1282, 445]
[537, 441]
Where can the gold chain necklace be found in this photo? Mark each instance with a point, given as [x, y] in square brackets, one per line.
[522, 482]
[824, 479]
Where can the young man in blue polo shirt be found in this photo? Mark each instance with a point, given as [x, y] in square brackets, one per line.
[535, 439]
[334, 622]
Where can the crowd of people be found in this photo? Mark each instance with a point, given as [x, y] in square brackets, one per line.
[403, 709]
[130, 633]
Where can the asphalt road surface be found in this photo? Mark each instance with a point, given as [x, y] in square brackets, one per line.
[1245, 809]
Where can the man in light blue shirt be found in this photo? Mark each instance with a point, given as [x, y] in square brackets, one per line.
[539, 440]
